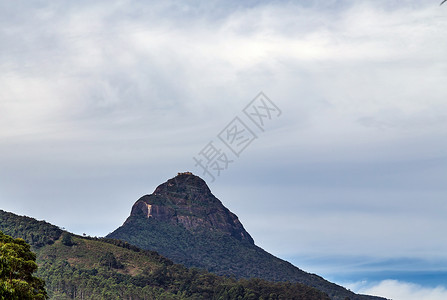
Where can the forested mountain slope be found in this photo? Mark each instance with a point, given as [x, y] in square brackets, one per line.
[185, 222]
[75, 267]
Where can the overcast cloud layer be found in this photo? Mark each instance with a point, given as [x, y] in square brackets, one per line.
[101, 101]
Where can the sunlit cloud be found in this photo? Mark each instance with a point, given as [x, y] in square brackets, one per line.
[398, 290]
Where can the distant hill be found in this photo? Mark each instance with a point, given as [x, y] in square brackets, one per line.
[185, 222]
[75, 267]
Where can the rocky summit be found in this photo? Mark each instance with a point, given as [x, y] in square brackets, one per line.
[184, 221]
[186, 200]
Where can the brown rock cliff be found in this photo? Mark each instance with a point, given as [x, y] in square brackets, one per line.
[186, 200]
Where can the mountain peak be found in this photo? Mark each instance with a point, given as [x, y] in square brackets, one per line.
[186, 200]
[185, 222]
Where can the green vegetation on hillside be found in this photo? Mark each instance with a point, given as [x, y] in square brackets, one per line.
[75, 267]
[17, 264]
[36, 233]
[96, 269]
[220, 254]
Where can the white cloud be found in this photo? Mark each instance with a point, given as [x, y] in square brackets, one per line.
[399, 290]
[95, 44]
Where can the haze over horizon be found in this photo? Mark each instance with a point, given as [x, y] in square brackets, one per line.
[102, 101]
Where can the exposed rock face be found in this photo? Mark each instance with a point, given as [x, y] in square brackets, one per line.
[187, 200]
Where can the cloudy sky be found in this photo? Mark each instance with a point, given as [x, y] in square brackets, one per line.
[101, 101]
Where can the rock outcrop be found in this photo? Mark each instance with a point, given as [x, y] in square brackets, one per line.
[186, 200]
